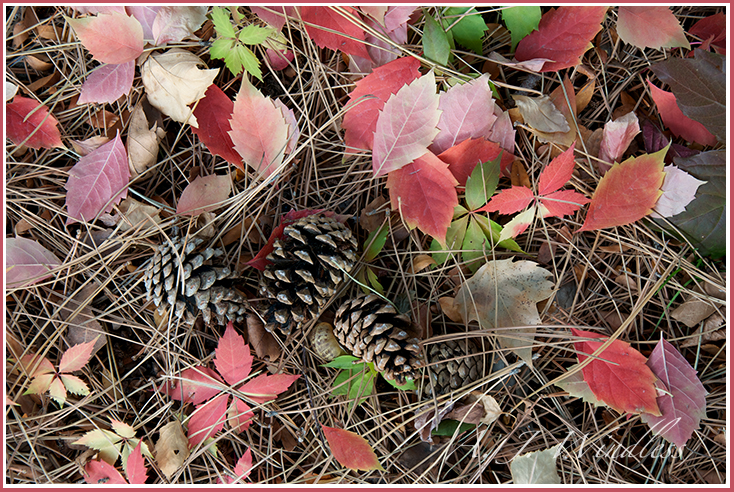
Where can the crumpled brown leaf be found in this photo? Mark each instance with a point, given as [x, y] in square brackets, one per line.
[172, 448]
[142, 142]
[264, 343]
[540, 113]
[133, 213]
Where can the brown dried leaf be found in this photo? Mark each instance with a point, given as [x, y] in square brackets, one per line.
[172, 448]
[264, 343]
[103, 119]
[83, 327]
[142, 142]
[540, 114]
[84, 147]
[41, 62]
[43, 82]
[425, 421]
[421, 262]
[469, 413]
[491, 408]
[20, 34]
[518, 174]
[374, 214]
[584, 95]
[137, 215]
[240, 232]
[449, 309]
[693, 311]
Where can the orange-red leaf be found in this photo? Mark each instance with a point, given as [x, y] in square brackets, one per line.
[424, 192]
[233, 359]
[560, 203]
[509, 201]
[351, 450]
[239, 415]
[678, 123]
[196, 384]
[267, 387]
[563, 35]
[207, 419]
[213, 113]
[627, 192]
[101, 472]
[652, 26]
[110, 38]
[325, 20]
[135, 466]
[557, 172]
[464, 157]
[76, 357]
[618, 376]
[39, 129]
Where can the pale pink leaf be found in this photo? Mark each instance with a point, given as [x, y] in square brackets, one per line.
[110, 38]
[204, 194]
[503, 132]
[406, 126]
[57, 391]
[398, 15]
[27, 262]
[617, 136]
[532, 65]
[679, 189]
[146, 16]
[173, 24]
[74, 385]
[233, 359]
[653, 26]
[102, 473]
[293, 131]
[76, 357]
[100, 9]
[195, 384]
[10, 402]
[518, 224]
[40, 384]
[275, 16]
[244, 465]
[239, 415]
[35, 365]
[267, 387]
[377, 12]
[107, 83]
[135, 466]
[467, 111]
[279, 60]
[97, 182]
[685, 406]
[207, 420]
[261, 145]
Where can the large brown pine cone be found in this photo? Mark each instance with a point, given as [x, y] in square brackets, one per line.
[451, 365]
[372, 329]
[184, 276]
[307, 265]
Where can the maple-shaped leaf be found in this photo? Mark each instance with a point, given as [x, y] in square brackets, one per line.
[261, 146]
[464, 157]
[650, 27]
[135, 466]
[563, 35]
[110, 38]
[618, 375]
[617, 136]
[331, 29]
[36, 130]
[213, 113]
[712, 30]
[207, 419]
[406, 125]
[111, 444]
[204, 194]
[679, 189]
[107, 83]
[369, 97]
[97, 182]
[467, 111]
[503, 295]
[233, 359]
[676, 121]
[627, 192]
[684, 404]
[27, 262]
[351, 450]
[424, 192]
[76, 357]
[100, 472]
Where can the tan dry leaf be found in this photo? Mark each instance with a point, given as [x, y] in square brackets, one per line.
[540, 113]
[103, 119]
[264, 343]
[41, 62]
[709, 333]
[142, 142]
[693, 311]
[83, 327]
[134, 213]
[502, 295]
[172, 448]
[518, 174]
[84, 147]
[421, 262]
[492, 409]
[173, 81]
[374, 214]
[583, 96]
[10, 90]
[448, 306]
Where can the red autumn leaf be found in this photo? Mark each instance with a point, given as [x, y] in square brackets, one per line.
[424, 192]
[213, 113]
[102, 473]
[464, 157]
[239, 415]
[110, 38]
[406, 125]
[678, 123]
[685, 406]
[37, 131]
[107, 83]
[207, 419]
[563, 35]
[97, 182]
[267, 387]
[275, 16]
[25, 259]
[195, 384]
[135, 466]
[711, 30]
[627, 192]
[242, 469]
[76, 357]
[203, 194]
[509, 201]
[650, 27]
[360, 118]
[557, 173]
[323, 24]
[233, 359]
[618, 376]
[351, 450]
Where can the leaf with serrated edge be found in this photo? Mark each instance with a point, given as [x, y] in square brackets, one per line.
[40, 384]
[509, 200]
[25, 260]
[464, 157]
[679, 189]
[212, 114]
[266, 387]
[173, 24]
[518, 224]
[334, 30]
[233, 359]
[207, 419]
[106, 442]
[244, 465]
[101, 472]
[466, 26]
[171, 449]
[650, 27]
[557, 172]
[36, 130]
[107, 83]
[351, 450]
[538, 467]
[122, 429]
[135, 466]
[204, 194]
[74, 385]
[435, 41]
[521, 21]
[575, 385]
[110, 38]
[239, 415]
[76, 357]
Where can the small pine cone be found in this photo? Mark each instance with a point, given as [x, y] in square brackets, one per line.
[372, 329]
[307, 264]
[204, 287]
[452, 364]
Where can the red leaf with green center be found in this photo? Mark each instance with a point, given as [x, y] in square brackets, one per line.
[39, 129]
[351, 450]
[618, 376]
[330, 20]
[233, 360]
[464, 157]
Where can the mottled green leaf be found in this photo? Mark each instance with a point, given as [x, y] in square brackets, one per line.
[521, 21]
[482, 183]
[466, 26]
[435, 41]
[454, 240]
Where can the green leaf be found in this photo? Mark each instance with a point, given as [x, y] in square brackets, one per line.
[492, 231]
[521, 21]
[343, 362]
[409, 386]
[362, 386]
[448, 428]
[460, 211]
[454, 240]
[253, 34]
[375, 242]
[482, 183]
[248, 60]
[374, 282]
[469, 29]
[435, 41]
[222, 24]
[221, 49]
[473, 245]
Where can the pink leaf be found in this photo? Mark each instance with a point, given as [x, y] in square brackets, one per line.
[233, 360]
[110, 38]
[560, 203]
[196, 384]
[685, 406]
[135, 466]
[279, 60]
[146, 16]
[97, 182]
[323, 24]
[35, 131]
[467, 111]
[244, 465]
[360, 119]
[25, 260]
[424, 192]
[351, 450]
[100, 9]
[406, 126]
[503, 132]
[107, 83]
[267, 387]
[212, 113]
[679, 189]
[464, 157]
[102, 473]
[260, 145]
[275, 16]
[239, 415]
[204, 194]
[650, 27]
[557, 173]
[617, 136]
[35, 365]
[173, 24]
[293, 131]
[509, 201]
[207, 420]
[678, 123]
[76, 357]
[398, 15]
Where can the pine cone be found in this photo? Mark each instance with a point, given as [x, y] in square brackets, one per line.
[451, 365]
[372, 329]
[307, 264]
[204, 287]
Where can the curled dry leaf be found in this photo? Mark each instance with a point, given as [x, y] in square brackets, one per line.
[142, 142]
[84, 147]
[204, 194]
[263, 342]
[617, 136]
[540, 114]
[421, 262]
[136, 214]
[172, 448]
